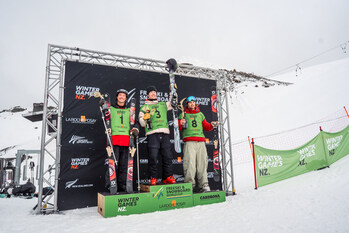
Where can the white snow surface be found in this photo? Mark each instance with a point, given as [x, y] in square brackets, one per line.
[313, 202]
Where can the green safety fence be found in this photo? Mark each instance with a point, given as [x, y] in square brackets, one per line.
[323, 150]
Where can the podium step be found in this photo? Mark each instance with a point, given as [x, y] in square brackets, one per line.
[155, 198]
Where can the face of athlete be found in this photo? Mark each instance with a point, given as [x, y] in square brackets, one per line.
[152, 95]
[191, 104]
[121, 99]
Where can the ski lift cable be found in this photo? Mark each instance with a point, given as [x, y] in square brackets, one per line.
[342, 45]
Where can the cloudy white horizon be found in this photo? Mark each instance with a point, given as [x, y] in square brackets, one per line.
[260, 37]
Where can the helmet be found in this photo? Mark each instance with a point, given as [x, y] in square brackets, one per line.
[150, 89]
[121, 91]
[191, 98]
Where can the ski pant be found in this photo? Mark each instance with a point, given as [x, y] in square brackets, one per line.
[195, 161]
[121, 155]
[159, 143]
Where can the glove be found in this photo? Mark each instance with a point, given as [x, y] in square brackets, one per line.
[146, 116]
[214, 124]
[134, 132]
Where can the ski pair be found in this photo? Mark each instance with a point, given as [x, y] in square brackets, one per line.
[112, 161]
[172, 67]
[216, 175]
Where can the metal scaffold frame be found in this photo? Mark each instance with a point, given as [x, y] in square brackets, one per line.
[53, 104]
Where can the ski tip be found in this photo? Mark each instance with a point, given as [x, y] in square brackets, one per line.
[172, 64]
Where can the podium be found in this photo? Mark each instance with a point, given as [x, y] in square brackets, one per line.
[155, 198]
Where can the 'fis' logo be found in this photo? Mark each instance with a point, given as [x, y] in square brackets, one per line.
[76, 163]
[82, 92]
[79, 140]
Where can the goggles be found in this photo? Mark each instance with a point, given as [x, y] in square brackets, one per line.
[191, 98]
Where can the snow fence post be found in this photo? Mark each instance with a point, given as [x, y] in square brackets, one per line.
[254, 165]
[346, 111]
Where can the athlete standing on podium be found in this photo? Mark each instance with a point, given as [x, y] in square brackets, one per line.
[153, 116]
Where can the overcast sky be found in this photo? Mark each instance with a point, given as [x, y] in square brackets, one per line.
[252, 36]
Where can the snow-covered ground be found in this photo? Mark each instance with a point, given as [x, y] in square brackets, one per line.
[313, 202]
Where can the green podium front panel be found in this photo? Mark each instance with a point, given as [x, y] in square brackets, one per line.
[159, 198]
[167, 197]
[113, 205]
[208, 198]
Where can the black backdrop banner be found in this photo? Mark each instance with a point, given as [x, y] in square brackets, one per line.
[82, 159]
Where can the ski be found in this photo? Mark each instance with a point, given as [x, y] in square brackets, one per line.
[132, 148]
[172, 67]
[182, 108]
[216, 175]
[104, 106]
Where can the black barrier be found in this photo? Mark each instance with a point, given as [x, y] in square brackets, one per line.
[82, 159]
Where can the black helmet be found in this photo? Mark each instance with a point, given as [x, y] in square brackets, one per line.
[121, 91]
[151, 88]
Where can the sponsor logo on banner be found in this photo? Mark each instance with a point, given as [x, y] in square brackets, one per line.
[203, 101]
[143, 140]
[306, 152]
[143, 161]
[79, 140]
[267, 161]
[83, 92]
[264, 172]
[210, 174]
[177, 161]
[173, 203]
[76, 163]
[159, 193]
[123, 203]
[210, 197]
[69, 184]
[333, 143]
[177, 191]
[81, 120]
[72, 184]
[143, 181]
[165, 97]
[178, 178]
[162, 96]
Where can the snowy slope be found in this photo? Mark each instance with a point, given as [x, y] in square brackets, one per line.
[313, 202]
[317, 92]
